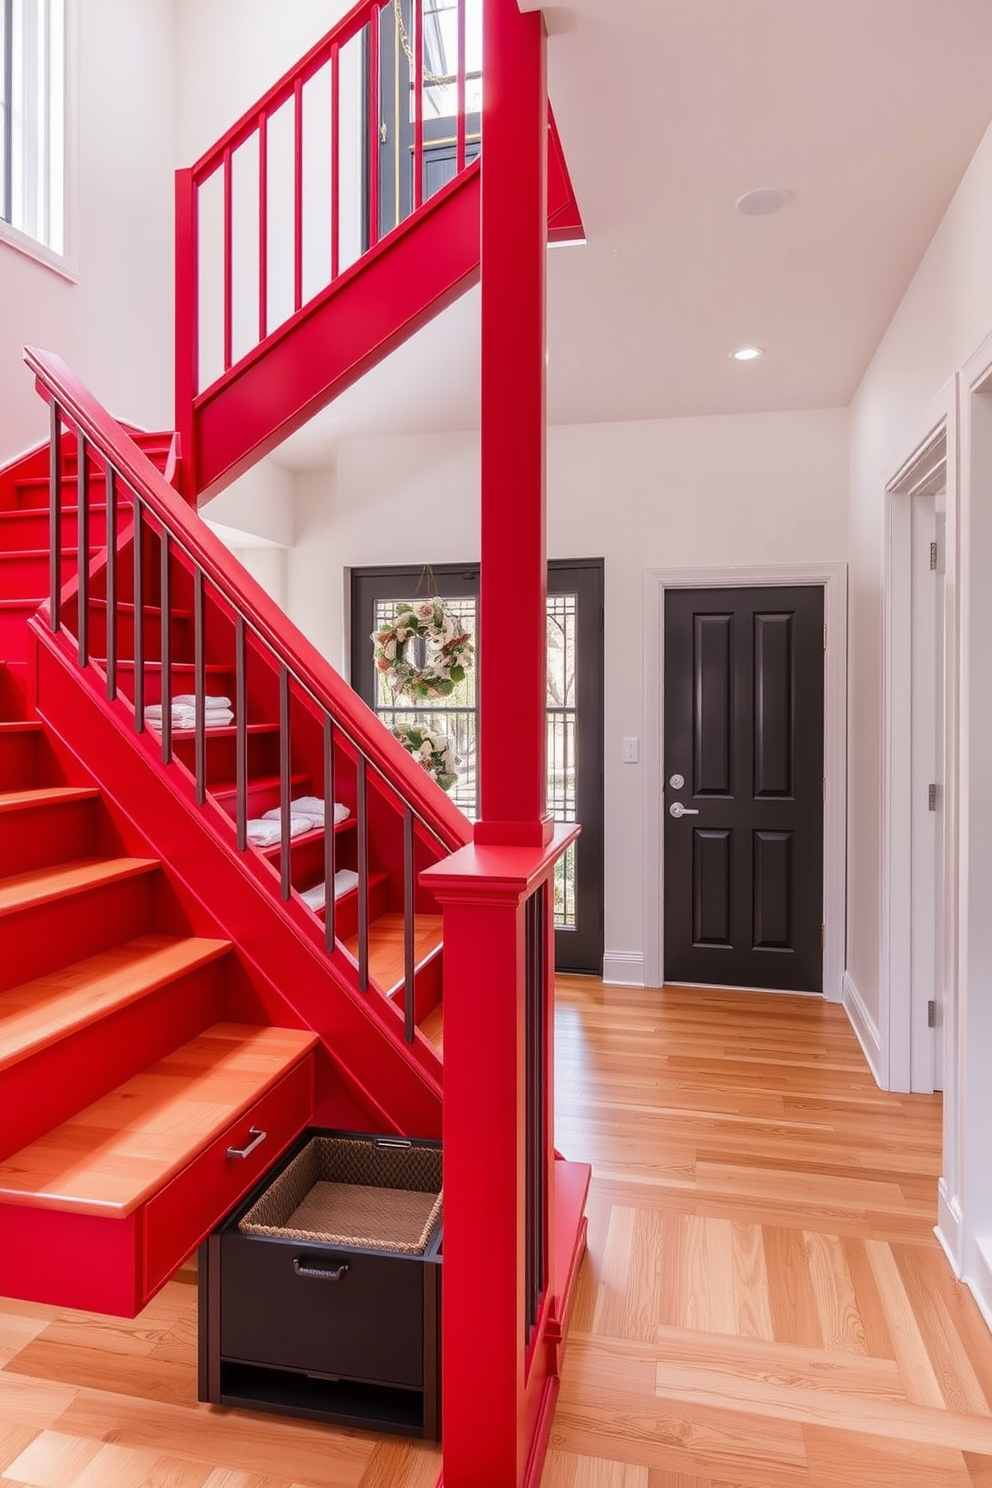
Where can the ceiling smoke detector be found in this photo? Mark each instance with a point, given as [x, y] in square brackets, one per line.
[747, 354]
[762, 201]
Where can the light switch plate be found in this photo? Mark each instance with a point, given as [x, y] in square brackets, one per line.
[630, 750]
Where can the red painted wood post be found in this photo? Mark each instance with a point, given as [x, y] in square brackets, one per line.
[512, 604]
[187, 329]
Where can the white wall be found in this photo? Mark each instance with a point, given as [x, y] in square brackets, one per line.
[944, 315]
[113, 327]
[766, 489]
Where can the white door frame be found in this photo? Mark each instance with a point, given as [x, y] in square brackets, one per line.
[833, 578]
[903, 1031]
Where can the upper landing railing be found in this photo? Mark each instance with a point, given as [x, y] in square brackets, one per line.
[351, 142]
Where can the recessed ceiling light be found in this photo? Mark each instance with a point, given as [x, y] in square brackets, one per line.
[747, 354]
[762, 201]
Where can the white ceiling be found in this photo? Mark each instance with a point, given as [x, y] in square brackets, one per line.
[866, 111]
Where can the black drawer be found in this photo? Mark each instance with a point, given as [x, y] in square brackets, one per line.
[322, 1311]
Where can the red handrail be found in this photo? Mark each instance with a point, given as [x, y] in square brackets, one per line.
[247, 599]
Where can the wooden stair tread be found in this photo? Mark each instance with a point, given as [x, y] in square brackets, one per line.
[386, 960]
[45, 795]
[433, 1027]
[40, 885]
[39, 1013]
[113, 1156]
[224, 790]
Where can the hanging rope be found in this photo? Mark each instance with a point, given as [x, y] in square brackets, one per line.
[431, 78]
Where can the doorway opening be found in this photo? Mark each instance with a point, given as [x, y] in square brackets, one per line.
[574, 711]
[915, 767]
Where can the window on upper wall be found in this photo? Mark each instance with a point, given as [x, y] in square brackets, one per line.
[33, 126]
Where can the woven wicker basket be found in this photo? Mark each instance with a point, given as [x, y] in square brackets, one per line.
[346, 1191]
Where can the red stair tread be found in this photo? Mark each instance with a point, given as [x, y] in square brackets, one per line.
[47, 795]
[114, 1155]
[41, 885]
[386, 962]
[20, 726]
[39, 1013]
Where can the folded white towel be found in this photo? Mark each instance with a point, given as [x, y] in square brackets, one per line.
[345, 880]
[185, 718]
[188, 700]
[312, 807]
[268, 833]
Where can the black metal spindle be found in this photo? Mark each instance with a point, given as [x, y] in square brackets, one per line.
[83, 552]
[241, 724]
[200, 688]
[165, 585]
[285, 783]
[409, 913]
[139, 615]
[330, 839]
[363, 874]
[55, 521]
[110, 475]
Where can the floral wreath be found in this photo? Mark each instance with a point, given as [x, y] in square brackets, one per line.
[449, 650]
[431, 750]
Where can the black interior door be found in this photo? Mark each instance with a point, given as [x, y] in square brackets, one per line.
[397, 50]
[575, 719]
[743, 798]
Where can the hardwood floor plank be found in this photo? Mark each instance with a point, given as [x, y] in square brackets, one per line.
[922, 1386]
[791, 1298]
[839, 1460]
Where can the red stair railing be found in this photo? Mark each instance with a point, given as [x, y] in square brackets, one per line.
[245, 210]
[226, 604]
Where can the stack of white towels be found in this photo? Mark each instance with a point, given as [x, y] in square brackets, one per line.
[217, 712]
[305, 814]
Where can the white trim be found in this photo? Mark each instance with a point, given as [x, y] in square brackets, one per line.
[863, 1024]
[948, 1227]
[980, 1284]
[896, 1010]
[623, 969]
[833, 578]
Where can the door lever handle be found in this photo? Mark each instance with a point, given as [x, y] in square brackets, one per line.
[677, 809]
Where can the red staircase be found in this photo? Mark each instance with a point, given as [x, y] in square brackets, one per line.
[169, 991]
[144, 941]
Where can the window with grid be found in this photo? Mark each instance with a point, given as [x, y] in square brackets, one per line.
[32, 121]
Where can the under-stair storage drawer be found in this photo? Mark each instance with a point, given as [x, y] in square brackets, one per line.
[177, 1219]
[320, 1295]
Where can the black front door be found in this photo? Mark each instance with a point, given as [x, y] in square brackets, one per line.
[743, 798]
[575, 719]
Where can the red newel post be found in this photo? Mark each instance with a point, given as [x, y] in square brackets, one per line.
[512, 607]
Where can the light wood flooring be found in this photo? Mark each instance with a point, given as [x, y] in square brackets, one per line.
[764, 1304]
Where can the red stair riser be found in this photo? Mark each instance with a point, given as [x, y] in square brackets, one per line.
[346, 924]
[38, 940]
[23, 577]
[181, 632]
[13, 629]
[71, 1260]
[46, 1089]
[219, 684]
[18, 760]
[427, 985]
[31, 529]
[43, 835]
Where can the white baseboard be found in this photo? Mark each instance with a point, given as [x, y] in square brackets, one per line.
[623, 968]
[981, 1282]
[948, 1227]
[864, 1026]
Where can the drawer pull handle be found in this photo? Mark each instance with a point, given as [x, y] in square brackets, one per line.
[257, 1138]
[319, 1273]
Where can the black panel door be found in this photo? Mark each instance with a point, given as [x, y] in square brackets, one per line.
[743, 798]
